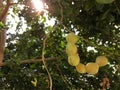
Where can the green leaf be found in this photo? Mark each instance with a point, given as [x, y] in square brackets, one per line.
[1, 25]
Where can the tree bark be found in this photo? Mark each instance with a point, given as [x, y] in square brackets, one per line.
[2, 44]
[30, 61]
[3, 14]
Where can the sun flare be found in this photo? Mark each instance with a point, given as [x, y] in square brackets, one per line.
[39, 5]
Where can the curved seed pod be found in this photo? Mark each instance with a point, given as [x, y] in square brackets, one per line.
[72, 38]
[71, 49]
[101, 61]
[74, 60]
[92, 68]
[81, 68]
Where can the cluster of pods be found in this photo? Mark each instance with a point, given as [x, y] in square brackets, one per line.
[74, 58]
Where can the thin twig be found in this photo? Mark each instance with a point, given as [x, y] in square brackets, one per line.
[43, 60]
[61, 12]
[62, 17]
[117, 8]
[66, 28]
[58, 68]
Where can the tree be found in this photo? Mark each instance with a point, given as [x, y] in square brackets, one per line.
[40, 51]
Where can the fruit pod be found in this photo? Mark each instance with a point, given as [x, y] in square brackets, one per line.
[74, 60]
[72, 38]
[92, 68]
[81, 68]
[101, 61]
[71, 49]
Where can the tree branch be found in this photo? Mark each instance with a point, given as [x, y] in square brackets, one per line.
[30, 61]
[4, 11]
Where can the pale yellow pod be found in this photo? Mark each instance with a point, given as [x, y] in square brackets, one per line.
[92, 68]
[74, 60]
[72, 38]
[69, 61]
[81, 68]
[101, 61]
[71, 49]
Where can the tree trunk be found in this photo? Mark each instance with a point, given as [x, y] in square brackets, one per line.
[3, 13]
[2, 44]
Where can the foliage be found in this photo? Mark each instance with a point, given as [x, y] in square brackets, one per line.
[97, 25]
